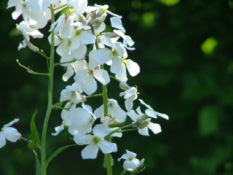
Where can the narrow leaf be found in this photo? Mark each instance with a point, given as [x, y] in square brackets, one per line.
[38, 167]
[57, 152]
[34, 132]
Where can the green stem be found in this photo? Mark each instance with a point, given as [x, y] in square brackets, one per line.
[50, 100]
[95, 95]
[108, 138]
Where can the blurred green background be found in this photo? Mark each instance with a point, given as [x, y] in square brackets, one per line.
[185, 51]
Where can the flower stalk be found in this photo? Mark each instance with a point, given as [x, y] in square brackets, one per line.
[50, 99]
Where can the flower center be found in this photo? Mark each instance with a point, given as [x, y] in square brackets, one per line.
[95, 140]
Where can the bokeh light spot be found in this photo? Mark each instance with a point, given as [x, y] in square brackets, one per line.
[209, 45]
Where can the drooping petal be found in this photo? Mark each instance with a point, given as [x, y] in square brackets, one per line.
[11, 134]
[116, 23]
[150, 113]
[89, 85]
[58, 129]
[68, 74]
[11, 123]
[132, 67]
[2, 140]
[155, 128]
[75, 43]
[90, 152]
[107, 147]
[102, 76]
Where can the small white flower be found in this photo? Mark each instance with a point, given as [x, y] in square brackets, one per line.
[9, 133]
[150, 111]
[131, 162]
[71, 94]
[143, 122]
[95, 142]
[114, 111]
[129, 95]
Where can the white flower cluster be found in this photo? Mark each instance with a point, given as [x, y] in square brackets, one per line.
[87, 50]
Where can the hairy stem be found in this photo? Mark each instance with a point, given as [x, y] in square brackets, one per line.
[50, 100]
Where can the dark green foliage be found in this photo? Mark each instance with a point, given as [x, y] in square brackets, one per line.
[185, 52]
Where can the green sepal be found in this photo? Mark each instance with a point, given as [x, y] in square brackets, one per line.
[34, 135]
[38, 166]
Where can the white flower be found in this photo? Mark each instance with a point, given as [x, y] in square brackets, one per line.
[81, 121]
[86, 77]
[79, 5]
[129, 95]
[95, 142]
[150, 111]
[9, 133]
[131, 162]
[71, 94]
[114, 111]
[143, 122]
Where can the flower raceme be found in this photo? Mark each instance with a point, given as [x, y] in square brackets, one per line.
[91, 56]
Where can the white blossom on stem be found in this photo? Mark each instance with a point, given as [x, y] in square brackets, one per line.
[95, 142]
[143, 122]
[9, 133]
[151, 112]
[114, 111]
[131, 162]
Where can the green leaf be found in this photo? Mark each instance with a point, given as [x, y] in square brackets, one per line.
[38, 167]
[57, 152]
[34, 132]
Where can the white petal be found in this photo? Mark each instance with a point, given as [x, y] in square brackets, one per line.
[89, 85]
[68, 74]
[80, 75]
[132, 67]
[87, 38]
[129, 103]
[82, 140]
[58, 129]
[107, 147]
[133, 115]
[11, 134]
[37, 5]
[90, 152]
[155, 128]
[101, 130]
[101, 56]
[116, 67]
[80, 52]
[2, 140]
[11, 123]
[102, 76]
[131, 165]
[99, 112]
[162, 115]
[143, 131]
[116, 23]
[150, 113]
[75, 43]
